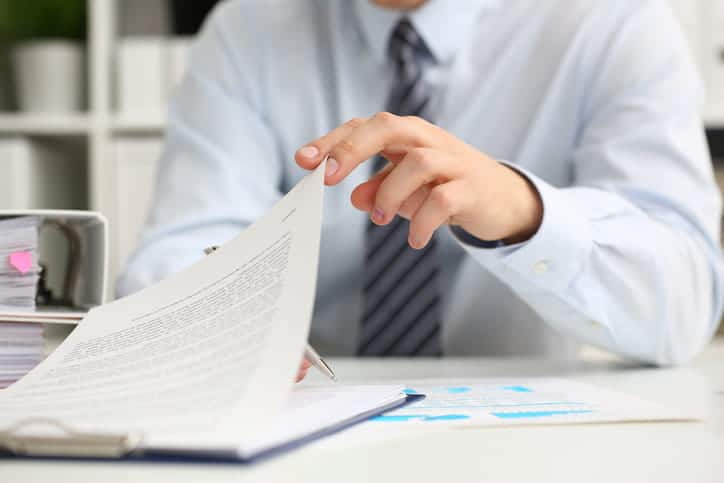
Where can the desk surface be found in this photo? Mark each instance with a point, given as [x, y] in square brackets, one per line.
[653, 452]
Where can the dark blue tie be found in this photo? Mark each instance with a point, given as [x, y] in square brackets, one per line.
[401, 292]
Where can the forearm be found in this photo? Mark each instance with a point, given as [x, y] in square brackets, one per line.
[613, 275]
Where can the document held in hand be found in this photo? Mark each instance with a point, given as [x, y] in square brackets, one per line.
[201, 364]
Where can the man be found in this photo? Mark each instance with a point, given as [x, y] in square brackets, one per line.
[550, 156]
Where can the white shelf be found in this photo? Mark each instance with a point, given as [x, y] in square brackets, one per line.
[139, 123]
[44, 124]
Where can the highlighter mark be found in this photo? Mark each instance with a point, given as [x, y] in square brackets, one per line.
[397, 418]
[539, 414]
[458, 390]
[403, 418]
[407, 390]
[517, 389]
[447, 417]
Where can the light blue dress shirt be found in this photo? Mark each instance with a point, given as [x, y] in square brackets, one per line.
[596, 102]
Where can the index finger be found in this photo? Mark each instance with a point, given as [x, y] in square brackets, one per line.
[310, 155]
[384, 131]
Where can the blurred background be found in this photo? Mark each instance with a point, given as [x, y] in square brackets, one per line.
[84, 86]
[83, 91]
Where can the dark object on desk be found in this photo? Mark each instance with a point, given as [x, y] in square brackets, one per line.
[72, 267]
[187, 17]
[715, 137]
[44, 295]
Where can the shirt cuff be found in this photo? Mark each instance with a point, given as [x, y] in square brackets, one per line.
[558, 251]
[472, 240]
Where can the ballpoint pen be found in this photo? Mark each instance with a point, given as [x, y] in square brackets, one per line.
[309, 353]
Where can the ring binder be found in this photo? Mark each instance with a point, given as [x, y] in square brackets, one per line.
[68, 443]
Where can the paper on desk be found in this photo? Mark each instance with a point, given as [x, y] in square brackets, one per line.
[499, 402]
[202, 358]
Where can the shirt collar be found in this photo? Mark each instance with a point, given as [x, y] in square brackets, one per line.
[444, 25]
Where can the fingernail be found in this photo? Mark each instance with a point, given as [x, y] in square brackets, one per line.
[378, 215]
[414, 242]
[309, 152]
[332, 167]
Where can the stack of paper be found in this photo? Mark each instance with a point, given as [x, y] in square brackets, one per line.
[21, 345]
[19, 269]
[21, 349]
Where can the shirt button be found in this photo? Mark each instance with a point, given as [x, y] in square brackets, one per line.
[541, 267]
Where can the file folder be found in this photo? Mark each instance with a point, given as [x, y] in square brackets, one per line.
[68, 443]
[200, 365]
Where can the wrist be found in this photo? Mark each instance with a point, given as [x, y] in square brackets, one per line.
[526, 208]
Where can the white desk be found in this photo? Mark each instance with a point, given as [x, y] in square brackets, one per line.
[656, 452]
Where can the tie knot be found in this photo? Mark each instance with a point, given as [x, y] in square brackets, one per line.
[406, 45]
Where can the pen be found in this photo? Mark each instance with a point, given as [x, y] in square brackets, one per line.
[309, 353]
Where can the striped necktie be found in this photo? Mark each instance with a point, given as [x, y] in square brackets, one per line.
[401, 312]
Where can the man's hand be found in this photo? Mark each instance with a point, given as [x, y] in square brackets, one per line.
[432, 178]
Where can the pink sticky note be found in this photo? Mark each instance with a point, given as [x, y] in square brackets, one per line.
[21, 261]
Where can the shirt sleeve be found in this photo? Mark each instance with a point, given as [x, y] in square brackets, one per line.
[220, 169]
[627, 257]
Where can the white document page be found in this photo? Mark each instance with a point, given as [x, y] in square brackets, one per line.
[500, 402]
[203, 360]
[311, 409]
